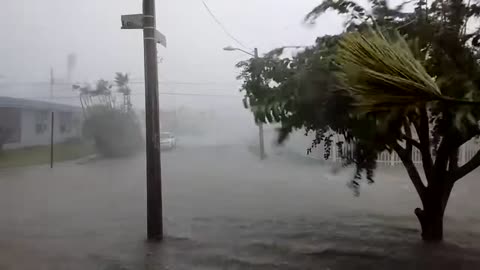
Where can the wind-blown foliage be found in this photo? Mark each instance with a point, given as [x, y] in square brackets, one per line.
[381, 73]
[116, 133]
[122, 80]
[115, 129]
[414, 85]
[100, 95]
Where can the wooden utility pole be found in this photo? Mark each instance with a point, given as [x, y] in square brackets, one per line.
[52, 129]
[151, 37]
[261, 144]
[154, 175]
[52, 122]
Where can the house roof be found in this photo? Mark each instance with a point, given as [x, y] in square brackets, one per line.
[9, 102]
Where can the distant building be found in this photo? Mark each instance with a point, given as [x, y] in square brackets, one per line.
[25, 122]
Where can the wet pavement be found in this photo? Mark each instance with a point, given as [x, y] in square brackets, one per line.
[225, 210]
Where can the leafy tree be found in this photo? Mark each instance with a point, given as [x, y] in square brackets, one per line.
[115, 129]
[116, 133]
[383, 92]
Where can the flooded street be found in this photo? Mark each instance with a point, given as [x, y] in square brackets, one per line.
[93, 92]
[225, 210]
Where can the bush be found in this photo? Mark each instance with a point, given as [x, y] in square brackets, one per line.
[116, 133]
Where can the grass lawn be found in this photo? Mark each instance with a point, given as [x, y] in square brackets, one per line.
[41, 154]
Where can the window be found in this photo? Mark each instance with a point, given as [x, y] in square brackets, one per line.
[10, 123]
[66, 122]
[41, 122]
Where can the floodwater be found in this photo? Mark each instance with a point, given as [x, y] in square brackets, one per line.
[225, 210]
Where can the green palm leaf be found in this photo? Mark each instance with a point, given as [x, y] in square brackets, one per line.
[382, 72]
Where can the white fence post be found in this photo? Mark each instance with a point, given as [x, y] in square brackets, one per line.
[392, 159]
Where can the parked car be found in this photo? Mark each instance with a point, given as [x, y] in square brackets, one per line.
[167, 140]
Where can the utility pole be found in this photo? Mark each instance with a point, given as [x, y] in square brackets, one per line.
[52, 120]
[154, 175]
[151, 37]
[52, 129]
[52, 82]
[260, 124]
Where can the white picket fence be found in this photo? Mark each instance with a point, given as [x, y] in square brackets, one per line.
[299, 142]
[466, 152]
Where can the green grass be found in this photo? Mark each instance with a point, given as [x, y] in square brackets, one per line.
[41, 154]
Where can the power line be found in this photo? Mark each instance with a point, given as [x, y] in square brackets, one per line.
[194, 94]
[139, 81]
[187, 83]
[142, 94]
[222, 26]
[131, 82]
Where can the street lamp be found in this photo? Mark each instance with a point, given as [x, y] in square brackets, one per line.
[230, 48]
[260, 124]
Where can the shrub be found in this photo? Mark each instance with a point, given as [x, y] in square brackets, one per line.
[116, 133]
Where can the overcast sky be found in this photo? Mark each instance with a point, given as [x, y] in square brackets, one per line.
[37, 35]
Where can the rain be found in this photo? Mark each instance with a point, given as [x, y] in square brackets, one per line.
[252, 177]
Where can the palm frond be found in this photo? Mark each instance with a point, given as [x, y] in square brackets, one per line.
[121, 79]
[382, 72]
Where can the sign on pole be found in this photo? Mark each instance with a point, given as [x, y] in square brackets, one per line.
[134, 21]
[160, 38]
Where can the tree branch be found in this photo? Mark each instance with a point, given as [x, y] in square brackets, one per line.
[423, 129]
[442, 155]
[449, 144]
[411, 141]
[471, 165]
[408, 145]
[453, 160]
[411, 169]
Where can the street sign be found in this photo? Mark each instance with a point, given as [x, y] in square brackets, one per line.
[134, 21]
[160, 38]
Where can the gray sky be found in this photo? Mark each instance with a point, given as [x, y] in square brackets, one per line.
[37, 35]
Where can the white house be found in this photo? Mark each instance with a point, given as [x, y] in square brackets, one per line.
[25, 122]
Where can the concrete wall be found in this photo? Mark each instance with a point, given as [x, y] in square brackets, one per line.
[30, 137]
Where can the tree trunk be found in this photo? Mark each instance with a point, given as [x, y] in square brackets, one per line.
[431, 217]
[431, 223]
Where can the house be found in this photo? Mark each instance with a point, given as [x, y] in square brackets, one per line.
[25, 122]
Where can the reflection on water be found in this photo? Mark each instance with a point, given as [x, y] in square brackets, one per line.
[224, 210]
[352, 242]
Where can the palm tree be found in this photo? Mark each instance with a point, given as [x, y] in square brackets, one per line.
[381, 71]
[122, 80]
[102, 91]
[84, 95]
